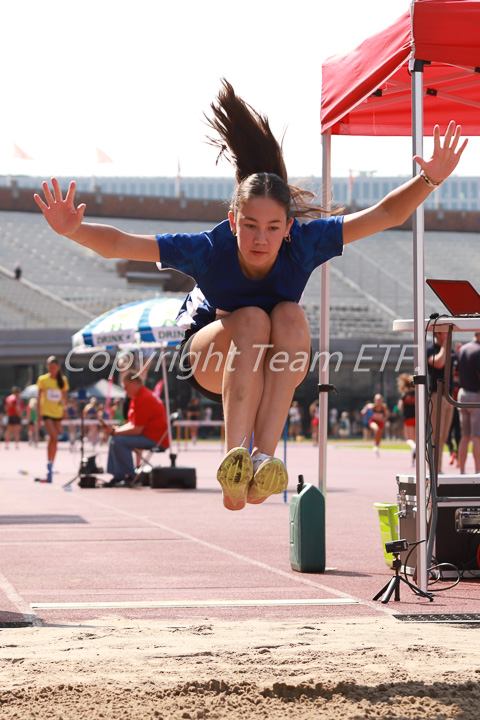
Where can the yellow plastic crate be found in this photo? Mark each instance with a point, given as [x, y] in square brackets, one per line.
[387, 512]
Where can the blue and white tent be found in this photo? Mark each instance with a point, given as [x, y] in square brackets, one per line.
[134, 324]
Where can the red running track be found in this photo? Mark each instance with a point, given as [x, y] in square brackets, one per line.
[139, 545]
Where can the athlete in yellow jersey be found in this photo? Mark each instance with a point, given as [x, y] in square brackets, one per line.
[52, 401]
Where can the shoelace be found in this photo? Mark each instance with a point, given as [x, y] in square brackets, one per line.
[258, 459]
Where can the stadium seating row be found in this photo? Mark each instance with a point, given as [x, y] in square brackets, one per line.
[374, 273]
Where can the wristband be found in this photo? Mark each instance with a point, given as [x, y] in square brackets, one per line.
[429, 182]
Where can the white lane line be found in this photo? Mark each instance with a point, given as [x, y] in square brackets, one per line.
[18, 602]
[190, 604]
[297, 577]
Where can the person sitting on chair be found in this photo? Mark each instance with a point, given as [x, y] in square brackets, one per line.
[145, 428]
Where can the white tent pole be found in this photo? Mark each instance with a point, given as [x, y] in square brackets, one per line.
[324, 339]
[419, 330]
[167, 401]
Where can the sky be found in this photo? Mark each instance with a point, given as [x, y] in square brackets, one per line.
[134, 79]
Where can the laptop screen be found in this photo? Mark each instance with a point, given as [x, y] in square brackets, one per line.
[458, 296]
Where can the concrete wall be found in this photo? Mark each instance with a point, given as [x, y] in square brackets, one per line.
[127, 206]
[133, 206]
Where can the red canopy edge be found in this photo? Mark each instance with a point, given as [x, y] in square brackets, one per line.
[348, 80]
[368, 90]
[447, 31]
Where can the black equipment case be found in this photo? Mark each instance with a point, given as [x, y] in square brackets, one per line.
[458, 525]
[457, 535]
[167, 477]
[87, 481]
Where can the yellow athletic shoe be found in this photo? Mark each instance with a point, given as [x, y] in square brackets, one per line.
[234, 475]
[270, 478]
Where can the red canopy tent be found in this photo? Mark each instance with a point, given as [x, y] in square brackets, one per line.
[421, 71]
[368, 91]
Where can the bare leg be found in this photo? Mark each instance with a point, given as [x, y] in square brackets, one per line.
[476, 452]
[257, 382]
[8, 432]
[463, 452]
[446, 421]
[53, 430]
[93, 433]
[409, 431]
[12, 430]
[447, 417]
[225, 360]
[284, 368]
[377, 434]
[228, 363]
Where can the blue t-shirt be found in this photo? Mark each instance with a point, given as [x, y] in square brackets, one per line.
[211, 258]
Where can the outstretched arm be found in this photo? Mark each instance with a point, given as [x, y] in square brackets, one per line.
[399, 204]
[437, 360]
[66, 219]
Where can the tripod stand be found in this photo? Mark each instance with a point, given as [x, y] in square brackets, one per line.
[394, 584]
[87, 465]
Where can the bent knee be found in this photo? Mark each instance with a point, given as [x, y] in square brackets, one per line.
[250, 313]
[290, 318]
[253, 321]
[289, 312]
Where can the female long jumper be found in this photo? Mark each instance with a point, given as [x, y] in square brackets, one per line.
[247, 338]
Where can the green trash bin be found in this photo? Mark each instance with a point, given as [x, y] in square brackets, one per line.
[387, 513]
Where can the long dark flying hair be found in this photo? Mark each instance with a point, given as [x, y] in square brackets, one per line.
[246, 141]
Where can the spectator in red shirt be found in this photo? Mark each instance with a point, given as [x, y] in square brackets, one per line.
[14, 408]
[146, 427]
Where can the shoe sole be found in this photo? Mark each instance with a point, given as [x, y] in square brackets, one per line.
[271, 478]
[234, 475]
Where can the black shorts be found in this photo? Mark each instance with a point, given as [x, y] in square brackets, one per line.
[14, 420]
[49, 417]
[185, 369]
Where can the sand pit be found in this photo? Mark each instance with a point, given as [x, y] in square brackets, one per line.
[349, 669]
[341, 662]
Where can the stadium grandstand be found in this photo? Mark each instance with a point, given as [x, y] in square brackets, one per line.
[63, 285]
